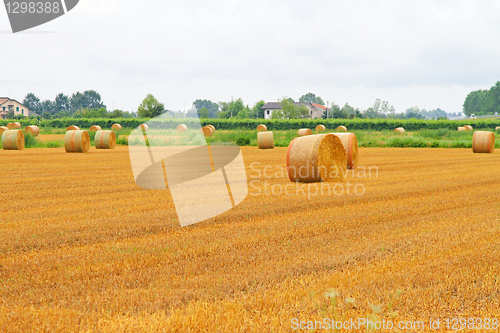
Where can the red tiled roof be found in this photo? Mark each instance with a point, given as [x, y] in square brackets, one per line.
[319, 106]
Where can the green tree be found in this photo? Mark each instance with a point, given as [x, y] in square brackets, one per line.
[32, 102]
[257, 111]
[10, 115]
[47, 107]
[213, 108]
[62, 103]
[311, 98]
[203, 112]
[150, 107]
[231, 109]
[290, 110]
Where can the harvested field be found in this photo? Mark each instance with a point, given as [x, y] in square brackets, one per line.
[83, 248]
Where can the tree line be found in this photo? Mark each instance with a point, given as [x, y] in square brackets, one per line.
[483, 102]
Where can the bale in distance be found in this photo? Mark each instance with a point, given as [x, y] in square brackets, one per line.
[212, 127]
[105, 139]
[316, 158]
[497, 129]
[116, 127]
[207, 131]
[14, 125]
[304, 131]
[182, 128]
[95, 128]
[77, 141]
[13, 140]
[3, 129]
[265, 140]
[261, 128]
[350, 144]
[468, 128]
[144, 127]
[341, 129]
[72, 128]
[483, 142]
[320, 128]
[461, 129]
[33, 130]
[400, 130]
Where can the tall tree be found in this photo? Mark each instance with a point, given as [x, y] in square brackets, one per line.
[311, 98]
[93, 99]
[32, 102]
[290, 110]
[257, 111]
[213, 108]
[150, 107]
[62, 103]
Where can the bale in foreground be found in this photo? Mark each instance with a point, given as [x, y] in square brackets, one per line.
[265, 140]
[341, 129]
[483, 142]
[316, 158]
[13, 125]
[207, 131]
[350, 144]
[304, 131]
[400, 130]
[33, 130]
[261, 128]
[320, 128]
[3, 129]
[105, 140]
[77, 141]
[13, 140]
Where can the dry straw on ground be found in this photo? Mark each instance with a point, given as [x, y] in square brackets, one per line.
[212, 127]
[144, 127]
[182, 128]
[105, 140]
[95, 128]
[14, 125]
[400, 130]
[3, 129]
[116, 127]
[316, 158]
[350, 144]
[265, 140]
[33, 130]
[207, 131]
[13, 140]
[461, 129]
[468, 128]
[483, 142]
[304, 131]
[261, 128]
[341, 129]
[73, 128]
[320, 128]
[77, 141]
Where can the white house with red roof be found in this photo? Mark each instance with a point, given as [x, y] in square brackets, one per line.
[315, 110]
[9, 104]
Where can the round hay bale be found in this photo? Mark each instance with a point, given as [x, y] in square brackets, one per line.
[320, 128]
[350, 144]
[497, 128]
[468, 128]
[212, 127]
[182, 128]
[265, 140]
[144, 127]
[316, 158]
[14, 125]
[341, 129]
[207, 131]
[483, 142]
[261, 128]
[304, 131]
[33, 130]
[95, 128]
[13, 140]
[116, 127]
[461, 129]
[105, 139]
[400, 130]
[72, 128]
[77, 141]
[3, 129]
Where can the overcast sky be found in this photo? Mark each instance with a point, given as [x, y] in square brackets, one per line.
[428, 54]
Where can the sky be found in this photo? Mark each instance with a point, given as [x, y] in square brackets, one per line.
[428, 54]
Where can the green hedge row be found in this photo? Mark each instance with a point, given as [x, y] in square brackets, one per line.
[274, 124]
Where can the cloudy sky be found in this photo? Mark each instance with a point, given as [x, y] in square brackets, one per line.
[421, 53]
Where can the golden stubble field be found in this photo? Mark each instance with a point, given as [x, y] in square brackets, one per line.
[83, 249]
